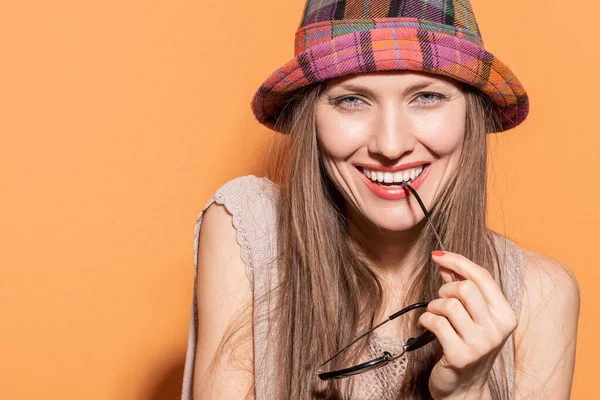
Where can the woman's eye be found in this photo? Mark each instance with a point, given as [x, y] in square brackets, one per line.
[426, 99]
[347, 102]
[429, 98]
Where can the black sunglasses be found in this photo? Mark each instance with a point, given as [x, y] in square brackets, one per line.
[410, 345]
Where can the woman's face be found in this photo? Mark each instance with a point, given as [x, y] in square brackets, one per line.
[375, 124]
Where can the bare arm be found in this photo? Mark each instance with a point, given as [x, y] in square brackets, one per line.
[224, 352]
[546, 334]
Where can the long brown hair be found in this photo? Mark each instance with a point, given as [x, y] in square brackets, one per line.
[327, 292]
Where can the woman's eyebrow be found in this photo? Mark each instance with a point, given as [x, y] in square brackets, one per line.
[363, 89]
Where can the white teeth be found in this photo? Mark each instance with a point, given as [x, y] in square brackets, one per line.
[389, 177]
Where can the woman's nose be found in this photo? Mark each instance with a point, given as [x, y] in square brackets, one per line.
[392, 134]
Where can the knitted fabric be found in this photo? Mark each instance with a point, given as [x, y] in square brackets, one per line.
[253, 203]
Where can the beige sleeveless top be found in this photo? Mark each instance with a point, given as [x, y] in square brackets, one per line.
[252, 201]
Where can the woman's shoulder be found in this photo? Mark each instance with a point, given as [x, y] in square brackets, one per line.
[252, 202]
[534, 266]
[546, 276]
[546, 332]
[247, 188]
[534, 275]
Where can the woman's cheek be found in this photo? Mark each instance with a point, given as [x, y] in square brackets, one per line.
[340, 137]
[443, 134]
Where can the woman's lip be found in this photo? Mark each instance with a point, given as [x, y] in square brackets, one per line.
[397, 168]
[391, 193]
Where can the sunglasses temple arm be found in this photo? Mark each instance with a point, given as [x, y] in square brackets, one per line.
[414, 192]
[423, 338]
[419, 341]
[319, 368]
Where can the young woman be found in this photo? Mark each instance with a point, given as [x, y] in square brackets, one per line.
[384, 113]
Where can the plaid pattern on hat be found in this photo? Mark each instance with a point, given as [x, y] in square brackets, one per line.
[339, 37]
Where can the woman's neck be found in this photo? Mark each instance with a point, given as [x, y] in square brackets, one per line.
[391, 254]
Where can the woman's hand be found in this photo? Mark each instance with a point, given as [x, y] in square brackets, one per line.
[472, 320]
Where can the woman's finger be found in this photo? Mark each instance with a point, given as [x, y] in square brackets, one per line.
[443, 331]
[453, 309]
[471, 298]
[480, 276]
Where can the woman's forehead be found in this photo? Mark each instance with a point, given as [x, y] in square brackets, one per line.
[386, 78]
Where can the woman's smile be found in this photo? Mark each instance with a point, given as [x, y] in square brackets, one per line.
[388, 185]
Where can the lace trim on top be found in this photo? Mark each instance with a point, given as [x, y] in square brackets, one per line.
[235, 196]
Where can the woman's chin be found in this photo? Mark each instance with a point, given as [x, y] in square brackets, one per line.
[396, 223]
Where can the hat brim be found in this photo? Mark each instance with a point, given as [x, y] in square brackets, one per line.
[384, 49]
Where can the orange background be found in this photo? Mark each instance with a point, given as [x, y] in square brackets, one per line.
[119, 119]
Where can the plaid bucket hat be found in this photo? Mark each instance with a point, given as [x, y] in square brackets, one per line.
[339, 37]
